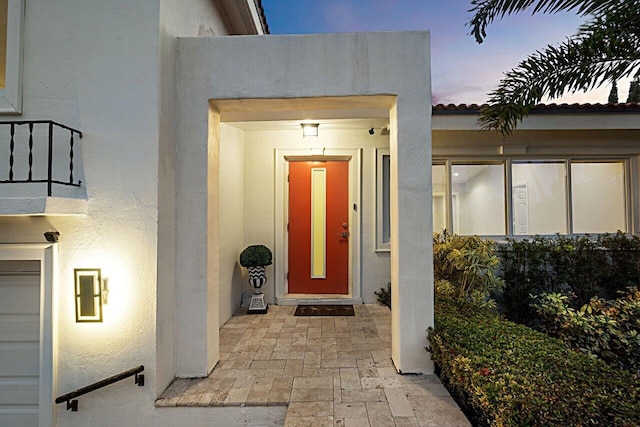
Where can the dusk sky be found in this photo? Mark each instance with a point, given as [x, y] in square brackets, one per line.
[463, 71]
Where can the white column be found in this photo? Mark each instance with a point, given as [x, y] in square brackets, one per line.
[197, 264]
[411, 236]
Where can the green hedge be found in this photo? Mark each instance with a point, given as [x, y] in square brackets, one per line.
[510, 375]
[585, 266]
[608, 329]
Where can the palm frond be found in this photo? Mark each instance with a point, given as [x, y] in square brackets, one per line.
[486, 11]
[605, 49]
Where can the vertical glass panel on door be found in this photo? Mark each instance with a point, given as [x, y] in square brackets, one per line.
[538, 197]
[439, 208]
[480, 196]
[598, 197]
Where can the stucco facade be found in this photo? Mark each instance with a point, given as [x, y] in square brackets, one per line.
[108, 69]
[270, 90]
[186, 134]
[171, 187]
[577, 163]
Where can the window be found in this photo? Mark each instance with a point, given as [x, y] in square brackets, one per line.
[11, 21]
[598, 197]
[538, 197]
[546, 196]
[383, 202]
[481, 197]
[438, 180]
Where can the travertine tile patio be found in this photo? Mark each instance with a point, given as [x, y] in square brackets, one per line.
[329, 371]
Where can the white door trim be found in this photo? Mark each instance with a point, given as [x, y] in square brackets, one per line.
[515, 216]
[47, 254]
[282, 157]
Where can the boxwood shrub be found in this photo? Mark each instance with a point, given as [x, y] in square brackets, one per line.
[506, 374]
[585, 266]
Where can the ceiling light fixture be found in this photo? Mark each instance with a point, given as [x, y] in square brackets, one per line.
[309, 129]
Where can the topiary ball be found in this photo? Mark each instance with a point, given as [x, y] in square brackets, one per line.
[255, 255]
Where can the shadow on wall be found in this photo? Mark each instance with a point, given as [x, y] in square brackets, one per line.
[237, 287]
[25, 229]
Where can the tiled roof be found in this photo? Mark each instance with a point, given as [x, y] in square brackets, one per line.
[263, 16]
[633, 107]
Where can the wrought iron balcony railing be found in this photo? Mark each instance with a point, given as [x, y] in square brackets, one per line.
[39, 151]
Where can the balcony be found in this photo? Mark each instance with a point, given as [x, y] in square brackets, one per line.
[40, 172]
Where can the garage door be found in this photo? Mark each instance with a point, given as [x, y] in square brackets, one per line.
[19, 342]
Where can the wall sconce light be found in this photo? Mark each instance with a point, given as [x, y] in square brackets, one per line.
[310, 129]
[88, 294]
[52, 236]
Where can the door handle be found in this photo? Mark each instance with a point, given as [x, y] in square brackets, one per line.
[344, 234]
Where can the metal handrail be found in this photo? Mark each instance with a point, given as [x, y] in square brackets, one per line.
[49, 179]
[72, 402]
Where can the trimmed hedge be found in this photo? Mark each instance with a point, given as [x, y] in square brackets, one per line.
[608, 329]
[585, 266]
[505, 374]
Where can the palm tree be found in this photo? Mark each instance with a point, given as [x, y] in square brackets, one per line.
[605, 49]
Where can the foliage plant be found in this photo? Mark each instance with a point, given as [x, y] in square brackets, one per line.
[605, 48]
[584, 266]
[506, 374]
[608, 329]
[384, 295]
[465, 268]
[255, 255]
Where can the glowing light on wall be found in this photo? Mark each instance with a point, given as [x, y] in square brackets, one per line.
[309, 129]
[88, 294]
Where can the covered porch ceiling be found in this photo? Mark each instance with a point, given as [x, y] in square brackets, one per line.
[332, 113]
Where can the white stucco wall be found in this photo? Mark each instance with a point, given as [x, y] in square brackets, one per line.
[107, 68]
[185, 18]
[232, 219]
[260, 195]
[304, 67]
[94, 66]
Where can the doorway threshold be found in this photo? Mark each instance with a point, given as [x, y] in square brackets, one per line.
[317, 299]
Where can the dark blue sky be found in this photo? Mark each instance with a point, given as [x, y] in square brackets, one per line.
[462, 70]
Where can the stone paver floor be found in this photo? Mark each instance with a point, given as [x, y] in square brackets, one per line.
[330, 371]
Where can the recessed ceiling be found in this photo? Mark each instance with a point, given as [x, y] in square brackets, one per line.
[325, 124]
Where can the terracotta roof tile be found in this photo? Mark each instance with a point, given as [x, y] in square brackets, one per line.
[633, 107]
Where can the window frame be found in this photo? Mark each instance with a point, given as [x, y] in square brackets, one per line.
[626, 161]
[11, 94]
[627, 198]
[566, 163]
[506, 179]
[381, 245]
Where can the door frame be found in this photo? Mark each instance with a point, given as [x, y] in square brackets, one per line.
[281, 254]
[47, 254]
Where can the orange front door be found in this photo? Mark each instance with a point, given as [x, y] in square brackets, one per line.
[318, 227]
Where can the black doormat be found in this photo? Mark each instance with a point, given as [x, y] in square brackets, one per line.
[324, 310]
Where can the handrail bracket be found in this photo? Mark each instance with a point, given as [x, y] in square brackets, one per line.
[139, 380]
[73, 405]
